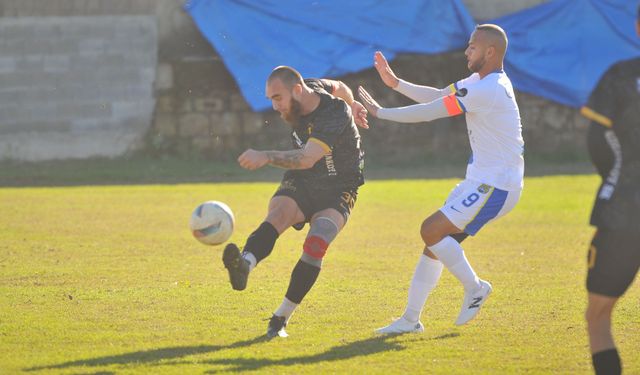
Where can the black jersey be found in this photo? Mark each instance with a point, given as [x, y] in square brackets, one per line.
[331, 125]
[614, 146]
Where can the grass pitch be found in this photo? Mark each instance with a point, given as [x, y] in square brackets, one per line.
[107, 279]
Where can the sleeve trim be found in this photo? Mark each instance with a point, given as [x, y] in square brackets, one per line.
[595, 116]
[324, 146]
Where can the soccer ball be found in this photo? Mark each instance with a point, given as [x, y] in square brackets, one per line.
[212, 223]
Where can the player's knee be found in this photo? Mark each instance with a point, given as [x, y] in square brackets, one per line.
[597, 313]
[323, 231]
[428, 234]
[314, 249]
[280, 219]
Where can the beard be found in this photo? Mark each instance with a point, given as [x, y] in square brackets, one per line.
[293, 115]
[476, 66]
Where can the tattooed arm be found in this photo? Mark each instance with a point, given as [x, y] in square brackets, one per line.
[294, 159]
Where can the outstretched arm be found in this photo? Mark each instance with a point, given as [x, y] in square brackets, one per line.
[342, 91]
[439, 108]
[303, 158]
[418, 93]
[421, 94]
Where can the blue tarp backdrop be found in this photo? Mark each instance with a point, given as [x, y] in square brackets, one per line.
[560, 49]
[557, 50]
[326, 38]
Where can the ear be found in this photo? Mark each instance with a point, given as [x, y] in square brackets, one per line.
[296, 91]
[490, 52]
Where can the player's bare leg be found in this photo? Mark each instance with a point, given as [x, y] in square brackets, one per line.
[603, 349]
[324, 227]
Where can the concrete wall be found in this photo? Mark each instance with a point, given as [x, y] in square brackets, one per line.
[73, 87]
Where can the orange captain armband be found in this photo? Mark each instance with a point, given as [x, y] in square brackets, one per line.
[453, 105]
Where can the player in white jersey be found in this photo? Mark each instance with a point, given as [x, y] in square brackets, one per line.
[494, 178]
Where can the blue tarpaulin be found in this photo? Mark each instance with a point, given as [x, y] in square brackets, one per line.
[557, 50]
[325, 38]
[560, 49]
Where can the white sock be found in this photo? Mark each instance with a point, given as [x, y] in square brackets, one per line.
[286, 309]
[249, 257]
[425, 278]
[452, 256]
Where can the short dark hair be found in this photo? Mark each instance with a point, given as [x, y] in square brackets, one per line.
[287, 75]
[638, 13]
[497, 32]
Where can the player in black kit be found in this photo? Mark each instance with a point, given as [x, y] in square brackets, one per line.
[320, 186]
[614, 255]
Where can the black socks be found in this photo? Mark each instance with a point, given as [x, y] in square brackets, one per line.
[260, 243]
[303, 277]
[607, 362]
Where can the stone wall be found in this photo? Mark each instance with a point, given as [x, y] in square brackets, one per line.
[202, 114]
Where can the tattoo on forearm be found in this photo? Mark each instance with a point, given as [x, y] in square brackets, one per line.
[286, 159]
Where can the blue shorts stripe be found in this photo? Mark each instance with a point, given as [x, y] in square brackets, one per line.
[491, 208]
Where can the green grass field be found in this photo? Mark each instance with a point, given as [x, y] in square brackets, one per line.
[108, 280]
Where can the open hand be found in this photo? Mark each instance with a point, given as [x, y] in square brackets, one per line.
[359, 114]
[384, 70]
[369, 103]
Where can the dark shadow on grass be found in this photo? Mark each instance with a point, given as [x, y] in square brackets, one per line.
[348, 351]
[150, 356]
[355, 349]
[446, 336]
[337, 353]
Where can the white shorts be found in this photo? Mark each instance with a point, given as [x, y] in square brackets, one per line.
[472, 204]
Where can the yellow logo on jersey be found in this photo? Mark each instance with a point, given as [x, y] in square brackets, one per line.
[484, 188]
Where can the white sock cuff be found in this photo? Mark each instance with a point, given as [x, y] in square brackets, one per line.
[253, 262]
[286, 309]
[448, 251]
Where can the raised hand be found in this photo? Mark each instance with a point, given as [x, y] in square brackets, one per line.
[369, 103]
[384, 70]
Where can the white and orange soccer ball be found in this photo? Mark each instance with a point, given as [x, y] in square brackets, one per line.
[212, 223]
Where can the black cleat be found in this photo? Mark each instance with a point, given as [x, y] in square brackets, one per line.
[237, 266]
[276, 327]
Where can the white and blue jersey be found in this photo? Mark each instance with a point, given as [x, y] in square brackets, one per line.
[494, 129]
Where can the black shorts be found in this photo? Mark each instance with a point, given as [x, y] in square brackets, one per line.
[613, 261]
[312, 200]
